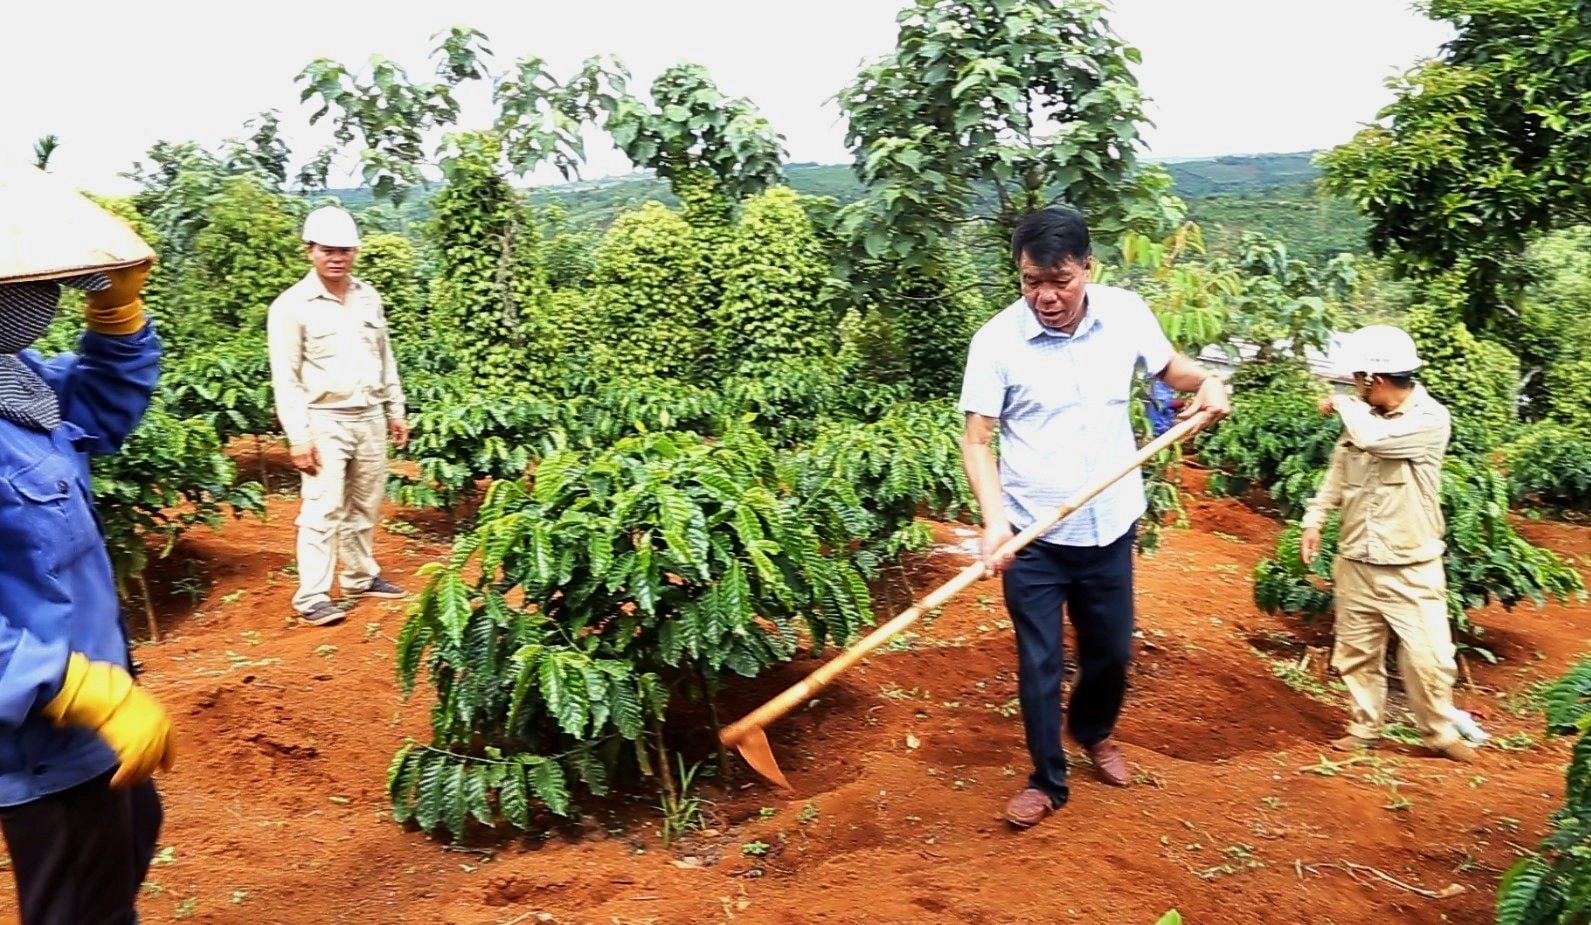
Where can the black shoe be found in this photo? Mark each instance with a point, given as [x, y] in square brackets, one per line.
[323, 614]
[380, 587]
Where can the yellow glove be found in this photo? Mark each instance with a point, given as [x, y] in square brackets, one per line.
[119, 310]
[103, 697]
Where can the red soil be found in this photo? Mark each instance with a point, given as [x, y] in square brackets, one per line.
[276, 810]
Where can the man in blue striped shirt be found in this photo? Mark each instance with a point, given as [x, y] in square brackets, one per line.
[1053, 375]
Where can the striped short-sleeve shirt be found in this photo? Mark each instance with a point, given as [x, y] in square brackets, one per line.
[1062, 403]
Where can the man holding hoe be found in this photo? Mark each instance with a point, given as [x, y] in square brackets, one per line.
[1053, 375]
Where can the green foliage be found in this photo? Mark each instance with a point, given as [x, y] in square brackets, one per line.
[1264, 193]
[648, 314]
[1286, 304]
[487, 288]
[1476, 379]
[1553, 884]
[1551, 333]
[1276, 438]
[904, 464]
[772, 309]
[386, 111]
[464, 438]
[1286, 583]
[983, 113]
[389, 116]
[554, 627]
[714, 150]
[1568, 387]
[1315, 226]
[1486, 557]
[228, 385]
[1035, 98]
[389, 264]
[1191, 299]
[1550, 464]
[247, 252]
[169, 477]
[567, 250]
[1481, 150]
[1271, 175]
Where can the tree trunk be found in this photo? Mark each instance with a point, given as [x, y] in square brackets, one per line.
[149, 608]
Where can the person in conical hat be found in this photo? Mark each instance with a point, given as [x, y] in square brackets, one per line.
[79, 737]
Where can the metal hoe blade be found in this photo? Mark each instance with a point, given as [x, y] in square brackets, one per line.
[754, 748]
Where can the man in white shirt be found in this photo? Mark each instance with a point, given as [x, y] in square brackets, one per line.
[1053, 375]
[338, 399]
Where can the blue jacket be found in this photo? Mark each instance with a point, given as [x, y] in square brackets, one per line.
[57, 591]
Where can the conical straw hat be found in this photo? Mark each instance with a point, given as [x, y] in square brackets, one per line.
[49, 230]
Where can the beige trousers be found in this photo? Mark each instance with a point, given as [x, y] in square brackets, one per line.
[1410, 600]
[341, 503]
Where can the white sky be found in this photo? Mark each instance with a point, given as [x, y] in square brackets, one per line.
[1225, 76]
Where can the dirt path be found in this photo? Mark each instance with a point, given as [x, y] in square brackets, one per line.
[276, 810]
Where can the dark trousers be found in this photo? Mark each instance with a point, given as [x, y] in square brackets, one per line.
[1094, 585]
[80, 856]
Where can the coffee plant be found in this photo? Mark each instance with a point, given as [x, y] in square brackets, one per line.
[1552, 885]
[1486, 560]
[1276, 438]
[1550, 464]
[169, 477]
[470, 437]
[905, 465]
[557, 628]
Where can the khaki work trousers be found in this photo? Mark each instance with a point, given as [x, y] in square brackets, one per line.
[341, 503]
[1410, 600]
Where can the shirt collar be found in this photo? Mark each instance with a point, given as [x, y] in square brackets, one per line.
[1031, 328]
[318, 290]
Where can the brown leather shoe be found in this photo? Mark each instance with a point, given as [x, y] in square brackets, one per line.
[1029, 808]
[1109, 762]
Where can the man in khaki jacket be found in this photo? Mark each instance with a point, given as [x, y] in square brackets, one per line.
[1386, 478]
[338, 398]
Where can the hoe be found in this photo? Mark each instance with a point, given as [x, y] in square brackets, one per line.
[748, 735]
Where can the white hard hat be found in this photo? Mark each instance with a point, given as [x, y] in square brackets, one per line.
[1379, 348]
[331, 226]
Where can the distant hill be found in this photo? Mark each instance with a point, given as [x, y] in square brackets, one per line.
[1273, 193]
[1238, 174]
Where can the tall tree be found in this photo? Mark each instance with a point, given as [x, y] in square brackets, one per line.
[714, 150]
[1034, 98]
[986, 111]
[1483, 149]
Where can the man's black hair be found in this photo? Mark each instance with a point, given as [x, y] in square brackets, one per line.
[1051, 236]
